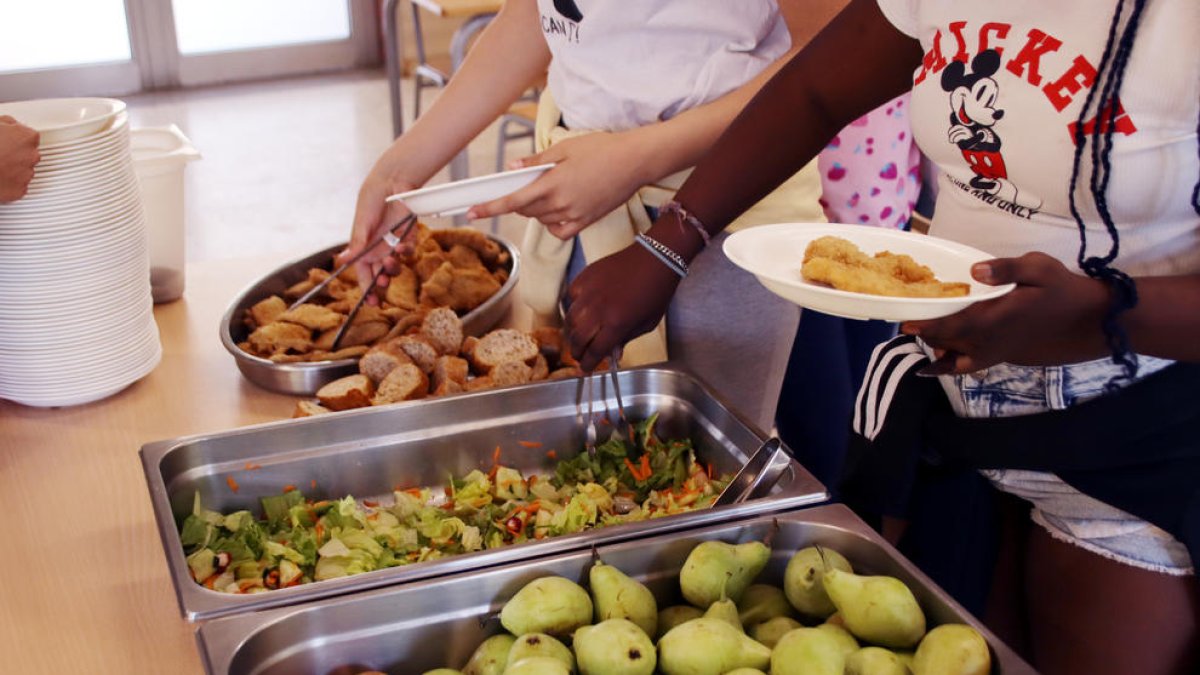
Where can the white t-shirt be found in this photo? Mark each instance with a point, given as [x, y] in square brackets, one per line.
[994, 105]
[622, 64]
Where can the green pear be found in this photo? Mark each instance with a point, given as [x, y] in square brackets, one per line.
[725, 610]
[875, 661]
[715, 569]
[952, 649]
[879, 609]
[538, 665]
[442, 671]
[709, 647]
[746, 671]
[673, 616]
[844, 638]
[540, 644]
[616, 596]
[491, 656]
[808, 651]
[615, 647]
[802, 580]
[551, 605]
[769, 631]
[761, 602]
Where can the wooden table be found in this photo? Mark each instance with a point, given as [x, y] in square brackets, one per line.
[83, 581]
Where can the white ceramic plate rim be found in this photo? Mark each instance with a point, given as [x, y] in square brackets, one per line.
[470, 194]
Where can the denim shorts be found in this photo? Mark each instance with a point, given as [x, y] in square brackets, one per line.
[1067, 514]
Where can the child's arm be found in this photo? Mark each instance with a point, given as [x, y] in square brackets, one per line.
[598, 172]
[509, 55]
[857, 63]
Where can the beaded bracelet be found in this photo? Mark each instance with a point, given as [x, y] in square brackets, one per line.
[686, 217]
[664, 253]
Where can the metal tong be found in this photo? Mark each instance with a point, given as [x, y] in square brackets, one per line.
[758, 475]
[589, 434]
[389, 236]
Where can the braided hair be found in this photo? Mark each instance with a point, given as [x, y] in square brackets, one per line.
[1101, 105]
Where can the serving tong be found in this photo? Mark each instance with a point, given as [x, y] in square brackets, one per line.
[389, 235]
[589, 434]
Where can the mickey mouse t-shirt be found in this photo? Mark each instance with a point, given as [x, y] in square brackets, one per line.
[995, 104]
[619, 64]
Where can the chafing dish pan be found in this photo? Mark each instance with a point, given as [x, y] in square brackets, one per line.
[366, 452]
[435, 623]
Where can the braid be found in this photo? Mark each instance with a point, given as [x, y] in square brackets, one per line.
[1110, 74]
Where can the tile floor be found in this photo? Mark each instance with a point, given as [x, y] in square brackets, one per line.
[283, 159]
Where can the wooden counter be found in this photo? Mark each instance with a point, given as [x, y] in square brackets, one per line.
[83, 580]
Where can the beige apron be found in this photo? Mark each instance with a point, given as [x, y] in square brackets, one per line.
[545, 258]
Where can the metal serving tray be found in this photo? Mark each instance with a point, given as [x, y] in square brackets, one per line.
[438, 623]
[307, 378]
[367, 452]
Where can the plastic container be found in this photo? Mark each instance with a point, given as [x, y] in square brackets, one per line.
[160, 155]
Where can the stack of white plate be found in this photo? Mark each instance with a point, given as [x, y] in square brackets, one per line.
[76, 322]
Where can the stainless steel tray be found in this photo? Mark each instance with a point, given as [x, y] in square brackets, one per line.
[307, 378]
[366, 452]
[439, 622]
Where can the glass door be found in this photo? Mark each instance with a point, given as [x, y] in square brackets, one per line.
[115, 47]
[65, 47]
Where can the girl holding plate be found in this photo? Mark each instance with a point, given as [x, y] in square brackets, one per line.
[1066, 138]
[636, 93]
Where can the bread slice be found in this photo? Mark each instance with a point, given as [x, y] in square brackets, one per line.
[447, 387]
[478, 383]
[309, 409]
[352, 391]
[381, 359]
[266, 311]
[540, 368]
[511, 372]
[550, 342]
[450, 369]
[565, 373]
[420, 350]
[443, 329]
[405, 382]
[502, 346]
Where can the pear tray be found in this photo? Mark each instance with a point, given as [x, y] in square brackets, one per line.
[439, 622]
[367, 453]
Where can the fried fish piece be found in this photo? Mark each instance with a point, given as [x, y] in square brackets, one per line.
[459, 289]
[835, 262]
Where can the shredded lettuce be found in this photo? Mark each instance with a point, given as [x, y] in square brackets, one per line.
[298, 540]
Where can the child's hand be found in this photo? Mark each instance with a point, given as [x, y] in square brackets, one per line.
[1052, 317]
[593, 175]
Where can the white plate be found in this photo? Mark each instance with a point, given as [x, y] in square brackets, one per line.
[775, 253]
[451, 199]
[59, 120]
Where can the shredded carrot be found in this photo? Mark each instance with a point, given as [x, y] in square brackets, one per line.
[552, 454]
[210, 581]
[710, 470]
[251, 466]
[231, 483]
[320, 531]
[370, 503]
[416, 492]
[530, 444]
[288, 488]
[632, 469]
[496, 456]
[494, 470]
[646, 470]
[313, 483]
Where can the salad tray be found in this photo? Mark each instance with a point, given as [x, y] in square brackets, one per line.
[369, 452]
[438, 622]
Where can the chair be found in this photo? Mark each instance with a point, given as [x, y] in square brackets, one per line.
[516, 124]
